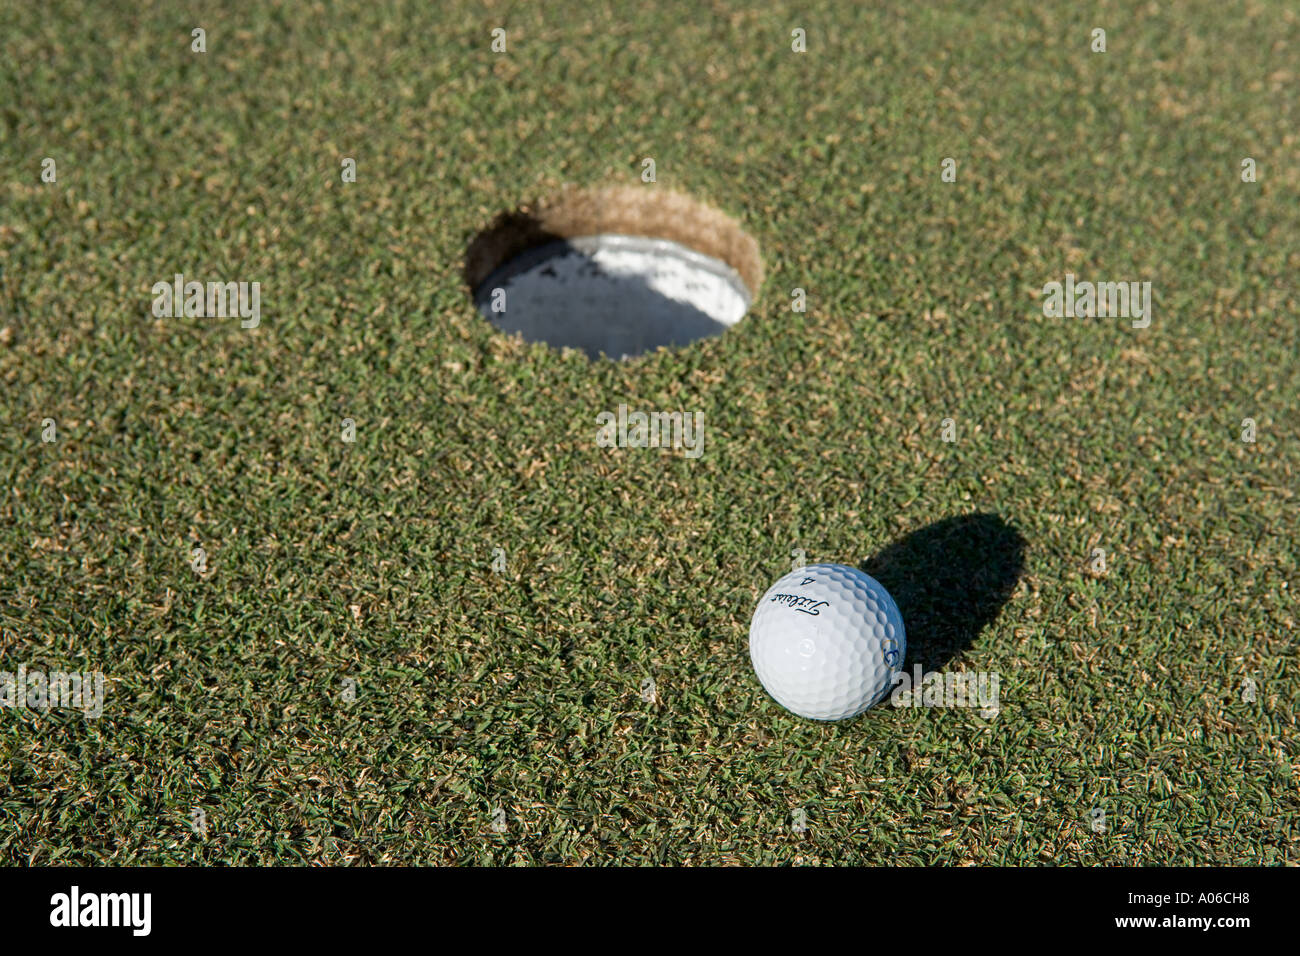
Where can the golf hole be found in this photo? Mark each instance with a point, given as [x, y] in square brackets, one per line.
[616, 272]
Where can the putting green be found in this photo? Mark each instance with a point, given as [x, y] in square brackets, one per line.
[364, 585]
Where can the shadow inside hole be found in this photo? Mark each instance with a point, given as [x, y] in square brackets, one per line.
[950, 580]
[560, 294]
[508, 235]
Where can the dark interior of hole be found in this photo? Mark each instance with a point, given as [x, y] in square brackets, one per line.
[620, 316]
[509, 235]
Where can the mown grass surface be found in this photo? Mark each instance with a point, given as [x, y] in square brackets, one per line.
[520, 691]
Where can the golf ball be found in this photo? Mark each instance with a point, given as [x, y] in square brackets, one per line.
[826, 641]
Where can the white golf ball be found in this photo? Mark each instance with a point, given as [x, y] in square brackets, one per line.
[826, 641]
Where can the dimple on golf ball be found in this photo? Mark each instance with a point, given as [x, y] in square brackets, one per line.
[826, 641]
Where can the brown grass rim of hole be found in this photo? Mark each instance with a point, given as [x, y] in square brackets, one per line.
[621, 210]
